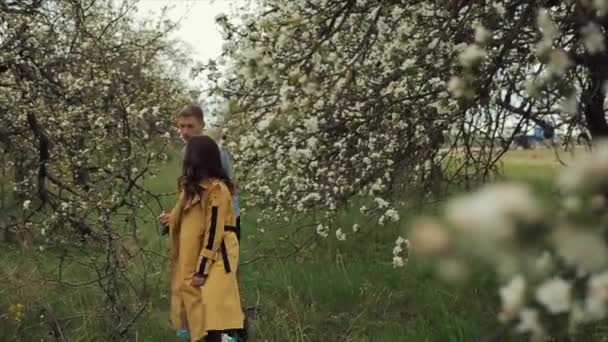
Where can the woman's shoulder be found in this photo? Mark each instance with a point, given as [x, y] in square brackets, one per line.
[217, 188]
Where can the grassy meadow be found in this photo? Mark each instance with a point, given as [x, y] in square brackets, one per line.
[330, 291]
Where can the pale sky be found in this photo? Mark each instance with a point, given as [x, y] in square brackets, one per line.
[197, 28]
[197, 25]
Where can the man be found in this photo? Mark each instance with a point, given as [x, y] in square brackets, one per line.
[190, 123]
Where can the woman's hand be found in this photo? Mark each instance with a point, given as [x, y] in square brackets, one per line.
[164, 220]
[198, 280]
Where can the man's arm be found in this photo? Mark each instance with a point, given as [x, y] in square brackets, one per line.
[226, 162]
[227, 166]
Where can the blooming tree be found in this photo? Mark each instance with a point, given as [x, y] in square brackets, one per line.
[336, 99]
[331, 100]
[85, 98]
[341, 98]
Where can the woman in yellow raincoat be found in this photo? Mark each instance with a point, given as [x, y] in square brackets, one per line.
[204, 247]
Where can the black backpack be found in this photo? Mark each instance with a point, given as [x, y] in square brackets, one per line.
[242, 335]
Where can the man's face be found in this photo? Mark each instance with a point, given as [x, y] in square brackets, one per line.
[189, 127]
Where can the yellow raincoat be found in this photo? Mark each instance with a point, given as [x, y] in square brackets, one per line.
[204, 241]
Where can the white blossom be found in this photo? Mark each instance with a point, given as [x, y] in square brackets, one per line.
[529, 323]
[64, 206]
[512, 297]
[597, 297]
[322, 230]
[457, 86]
[555, 295]
[593, 38]
[397, 249]
[400, 240]
[499, 8]
[588, 172]
[381, 202]
[582, 248]
[392, 214]
[400, 252]
[340, 235]
[547, 25]
[493, 210]
[398, 262]
[559, 62]
[549, 31]
[311, 124]
[471, 55]
[482, 35]
[265, 122]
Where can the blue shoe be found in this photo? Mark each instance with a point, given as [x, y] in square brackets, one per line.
[182, 333]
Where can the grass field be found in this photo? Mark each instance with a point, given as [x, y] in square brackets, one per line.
[331, 291]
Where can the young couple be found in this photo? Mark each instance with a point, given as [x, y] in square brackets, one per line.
[203, 231]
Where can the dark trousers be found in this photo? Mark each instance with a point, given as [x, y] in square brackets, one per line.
[213, 336]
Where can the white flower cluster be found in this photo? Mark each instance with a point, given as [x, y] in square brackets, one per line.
[549, 31]
[505, 225]
[323, 230]
[401, 252]
[593, 38]
[471, 55]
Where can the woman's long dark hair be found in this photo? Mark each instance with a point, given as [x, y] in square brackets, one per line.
[202, 161]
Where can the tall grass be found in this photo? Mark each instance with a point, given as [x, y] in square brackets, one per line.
[330, 291]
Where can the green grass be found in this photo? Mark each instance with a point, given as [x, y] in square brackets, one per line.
[330, 291]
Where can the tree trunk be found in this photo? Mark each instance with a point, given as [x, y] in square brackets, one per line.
[594, 97]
